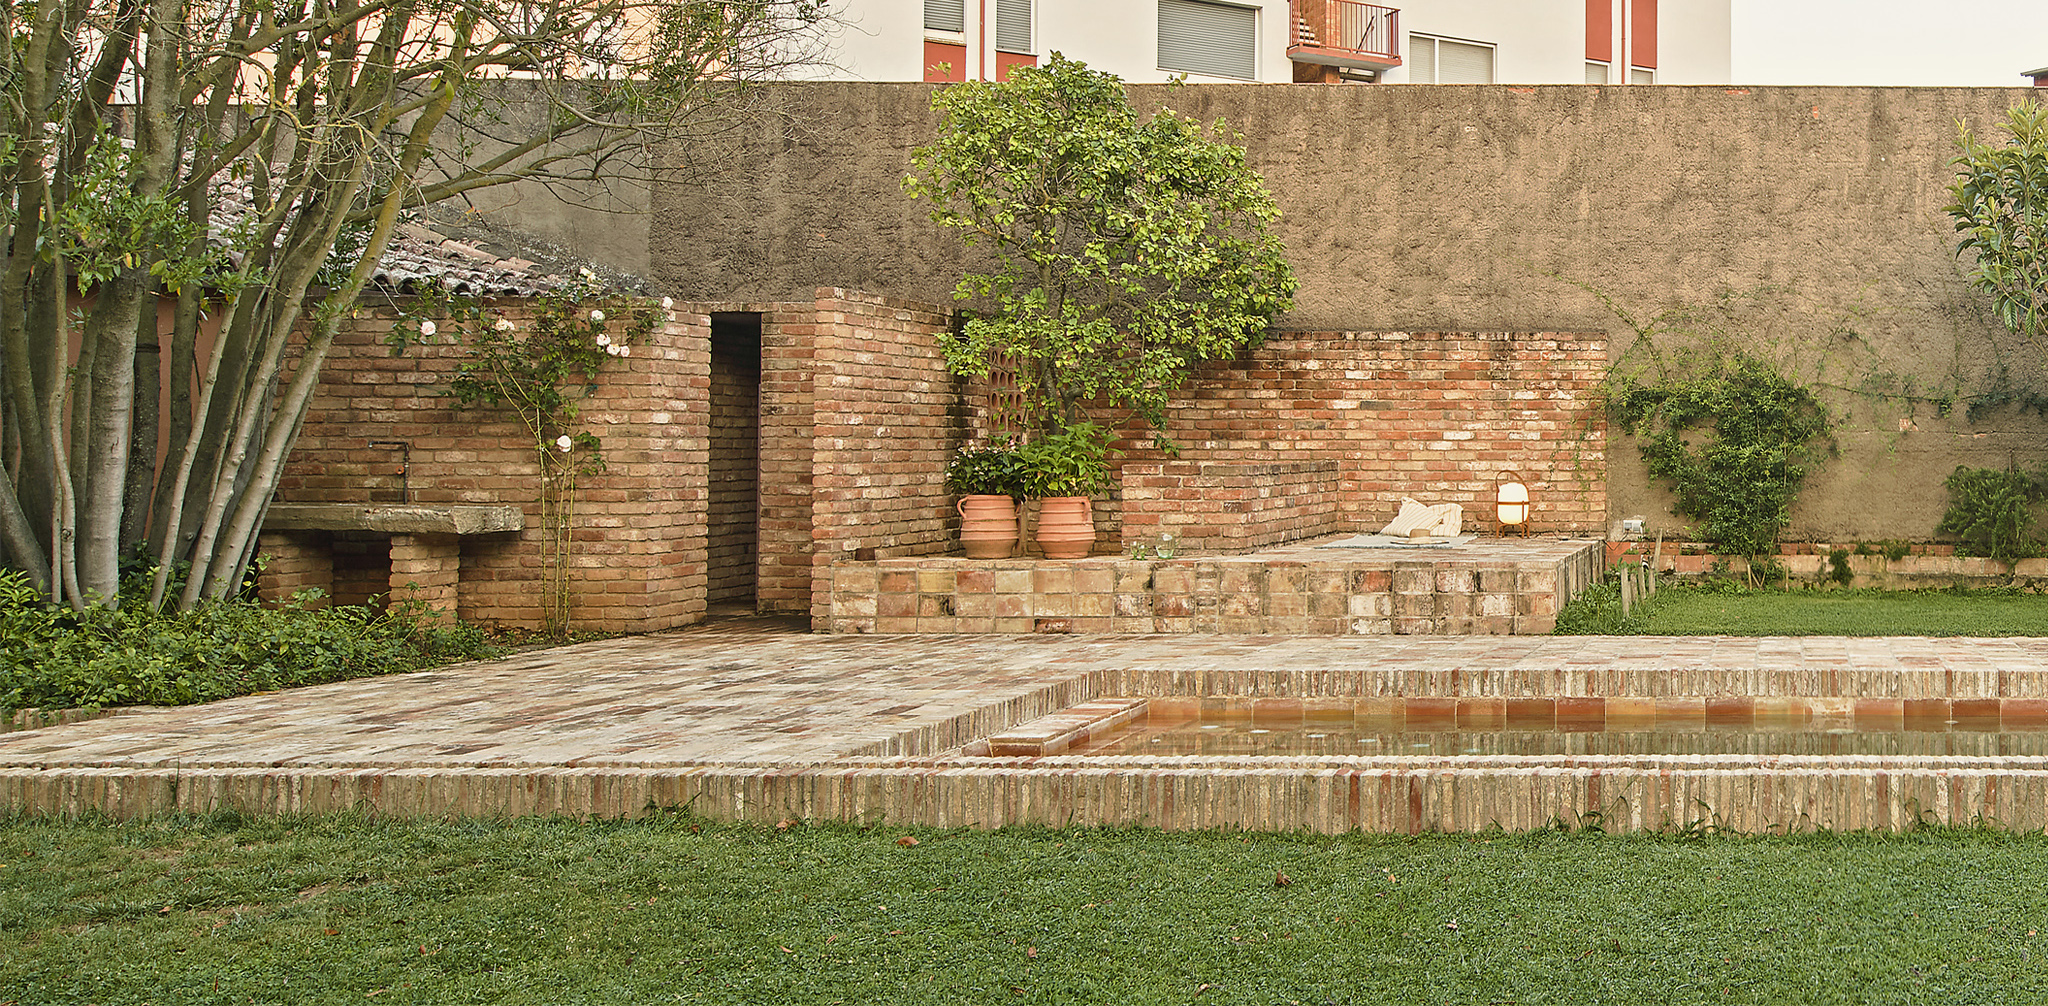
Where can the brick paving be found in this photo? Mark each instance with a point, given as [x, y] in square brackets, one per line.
[752, 723]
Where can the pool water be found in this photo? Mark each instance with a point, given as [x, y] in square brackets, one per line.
[1172, 733]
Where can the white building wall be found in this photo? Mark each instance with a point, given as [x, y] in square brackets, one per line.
[1698, 42]
[877, 40]
[1536, 41]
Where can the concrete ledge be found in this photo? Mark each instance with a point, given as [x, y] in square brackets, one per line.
[393, 519]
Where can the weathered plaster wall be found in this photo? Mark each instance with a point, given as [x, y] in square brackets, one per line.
[1505, 208]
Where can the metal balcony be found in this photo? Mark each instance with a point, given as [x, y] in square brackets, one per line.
[1344, 34]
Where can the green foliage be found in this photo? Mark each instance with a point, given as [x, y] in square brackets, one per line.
[107, 227]
[1990, 512]
[1838, 567]
[1891, 548]
[2000, 207]
[54, 657]
[1732, 436]
[1125, 251]
[1597, 612]
[1074, 461]
[992, 469]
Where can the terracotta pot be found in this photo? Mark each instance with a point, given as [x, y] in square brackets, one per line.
[988, 526]
[1066, 527]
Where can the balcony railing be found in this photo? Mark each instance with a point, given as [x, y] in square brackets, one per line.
[1344, 33]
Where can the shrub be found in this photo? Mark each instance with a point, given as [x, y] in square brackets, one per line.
[1990, 513]
[1073, 461]
[53, 657]
[992, 469]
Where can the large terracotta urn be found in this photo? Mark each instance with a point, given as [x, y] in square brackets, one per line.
[1066, 527]
[988, 526]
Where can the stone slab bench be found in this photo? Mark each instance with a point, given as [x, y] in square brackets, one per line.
[425, 547]
[466, 519]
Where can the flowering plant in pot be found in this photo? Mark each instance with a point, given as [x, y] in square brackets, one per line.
[990, 479]
[1062, 468]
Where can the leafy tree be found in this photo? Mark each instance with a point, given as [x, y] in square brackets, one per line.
[249, 161]
[2001, 210]
[1125, 251]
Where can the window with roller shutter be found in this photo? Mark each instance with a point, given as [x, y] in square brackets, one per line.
[1433, 60]
[945, 15]
[1013, 25]
[1212, 39]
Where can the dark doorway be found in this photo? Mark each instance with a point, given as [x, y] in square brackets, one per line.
[735, 457]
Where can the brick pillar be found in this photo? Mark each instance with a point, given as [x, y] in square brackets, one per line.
[425, 568]
[295, 561]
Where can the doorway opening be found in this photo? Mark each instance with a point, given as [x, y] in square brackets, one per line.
[735, 505]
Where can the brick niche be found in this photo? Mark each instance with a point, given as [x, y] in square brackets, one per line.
[1436, 416]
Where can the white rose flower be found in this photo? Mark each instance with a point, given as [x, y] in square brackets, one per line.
[603, 339]
[505, 325]
[625, 350]
[563, 443]
[667, 303]
[596, 315]
[426, 329]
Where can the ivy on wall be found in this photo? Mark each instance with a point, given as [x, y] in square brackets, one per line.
[1733, 437]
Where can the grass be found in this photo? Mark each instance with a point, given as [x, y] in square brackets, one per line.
[1717, 609]
[671, 909]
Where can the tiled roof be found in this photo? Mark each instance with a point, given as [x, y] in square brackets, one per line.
[480, 262]
[421, 255]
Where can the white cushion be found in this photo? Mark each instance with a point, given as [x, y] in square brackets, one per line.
[1443, 520]
[1413, 515]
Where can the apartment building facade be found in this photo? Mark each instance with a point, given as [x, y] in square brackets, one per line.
[1280, 41]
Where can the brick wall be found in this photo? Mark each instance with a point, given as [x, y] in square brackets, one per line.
[640, 544]
[887, 417]
[298, 560]
[1228, 508]
[1436, 416]
[857, 419]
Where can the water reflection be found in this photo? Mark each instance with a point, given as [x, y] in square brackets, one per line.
[1164, 736]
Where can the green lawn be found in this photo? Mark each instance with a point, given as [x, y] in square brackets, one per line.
[672, 910]
[1710, 611]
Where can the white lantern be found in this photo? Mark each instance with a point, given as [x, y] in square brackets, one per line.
[1511, 506]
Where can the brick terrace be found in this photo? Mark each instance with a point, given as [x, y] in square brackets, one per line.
[870, 728]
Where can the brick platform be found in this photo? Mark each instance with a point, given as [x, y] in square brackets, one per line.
[1497, 586]
[867, 728]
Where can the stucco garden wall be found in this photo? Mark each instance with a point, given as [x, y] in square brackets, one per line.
[1812, 215]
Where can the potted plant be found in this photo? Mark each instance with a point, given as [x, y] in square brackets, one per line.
[1062, 469]
[990, 479]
